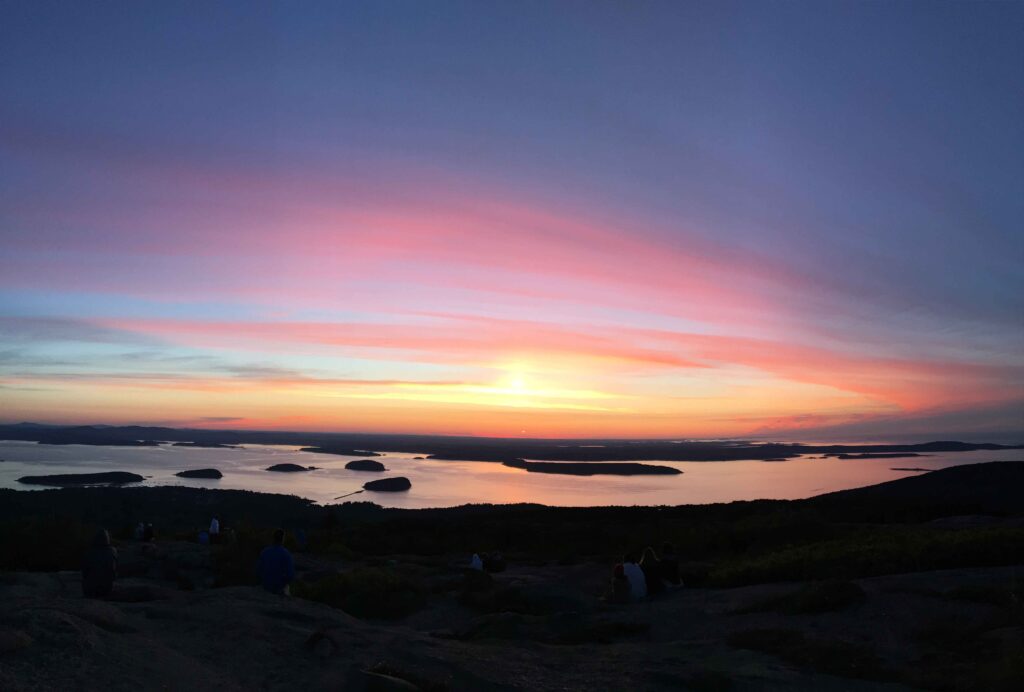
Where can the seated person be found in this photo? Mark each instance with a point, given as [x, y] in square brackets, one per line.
[651, 567]
[670, 565]
[493, 562]
[635, 577]
[99, 569]
[276, 567]
[620, 585]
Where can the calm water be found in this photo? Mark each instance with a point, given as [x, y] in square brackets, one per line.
[449, 483]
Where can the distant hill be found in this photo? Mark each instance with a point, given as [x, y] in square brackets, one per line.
[995, 487]
[468, 448]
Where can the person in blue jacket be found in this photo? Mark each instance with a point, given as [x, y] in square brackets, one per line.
[276, 567]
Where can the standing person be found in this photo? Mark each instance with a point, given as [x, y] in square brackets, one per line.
[99, 568]
[214, 530]
[635, 576]
[276, 567]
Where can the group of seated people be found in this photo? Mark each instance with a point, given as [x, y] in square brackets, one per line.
[487, 562]
[633, 580]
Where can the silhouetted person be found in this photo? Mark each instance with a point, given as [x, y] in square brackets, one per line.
[651, 567]
[635, 577]
[276, 567]
[620, 585]
[494, 561]
[99, 568]
[148, 534]
[140, 529]
[670, 565]
[214, 530]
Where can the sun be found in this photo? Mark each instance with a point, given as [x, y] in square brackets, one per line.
[517, 383]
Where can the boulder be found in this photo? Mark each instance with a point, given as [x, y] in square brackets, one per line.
[200, 473]
[365, 465]
[396, 484]
[287, 468]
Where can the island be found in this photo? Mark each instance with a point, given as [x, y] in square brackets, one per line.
[873, 455]
[102, 443]
[389, 485]
[365, 465]
[288, 468]
[207, 445]
[62, 479]
[592, 468]
[342, 451]
[200, 473]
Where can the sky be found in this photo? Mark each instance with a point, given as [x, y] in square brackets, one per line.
[776, 220]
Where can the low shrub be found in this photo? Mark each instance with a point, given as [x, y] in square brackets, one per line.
[45, 543]
[816, 597]
[366, 592]
[833, 657]
[873, 552]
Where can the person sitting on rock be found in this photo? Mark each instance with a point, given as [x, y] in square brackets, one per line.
[635, 577]
[476, 562]
[214, 530]
[651, 567]
[99, 568]
[670, 566]
[276, 567]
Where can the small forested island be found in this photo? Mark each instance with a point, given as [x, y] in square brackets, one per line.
[200, 473]
[590, 468]
[390, 485]
[100, 442]
[206, 445]
[365, 465]
[61, 479]
[288, 468]
[342, 451]
[871, 455]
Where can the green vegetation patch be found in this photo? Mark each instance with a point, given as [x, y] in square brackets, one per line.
[816, 597]
[366, 592]
[875, 551]
[833, 657]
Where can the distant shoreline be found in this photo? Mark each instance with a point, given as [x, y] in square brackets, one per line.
[500, 450]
